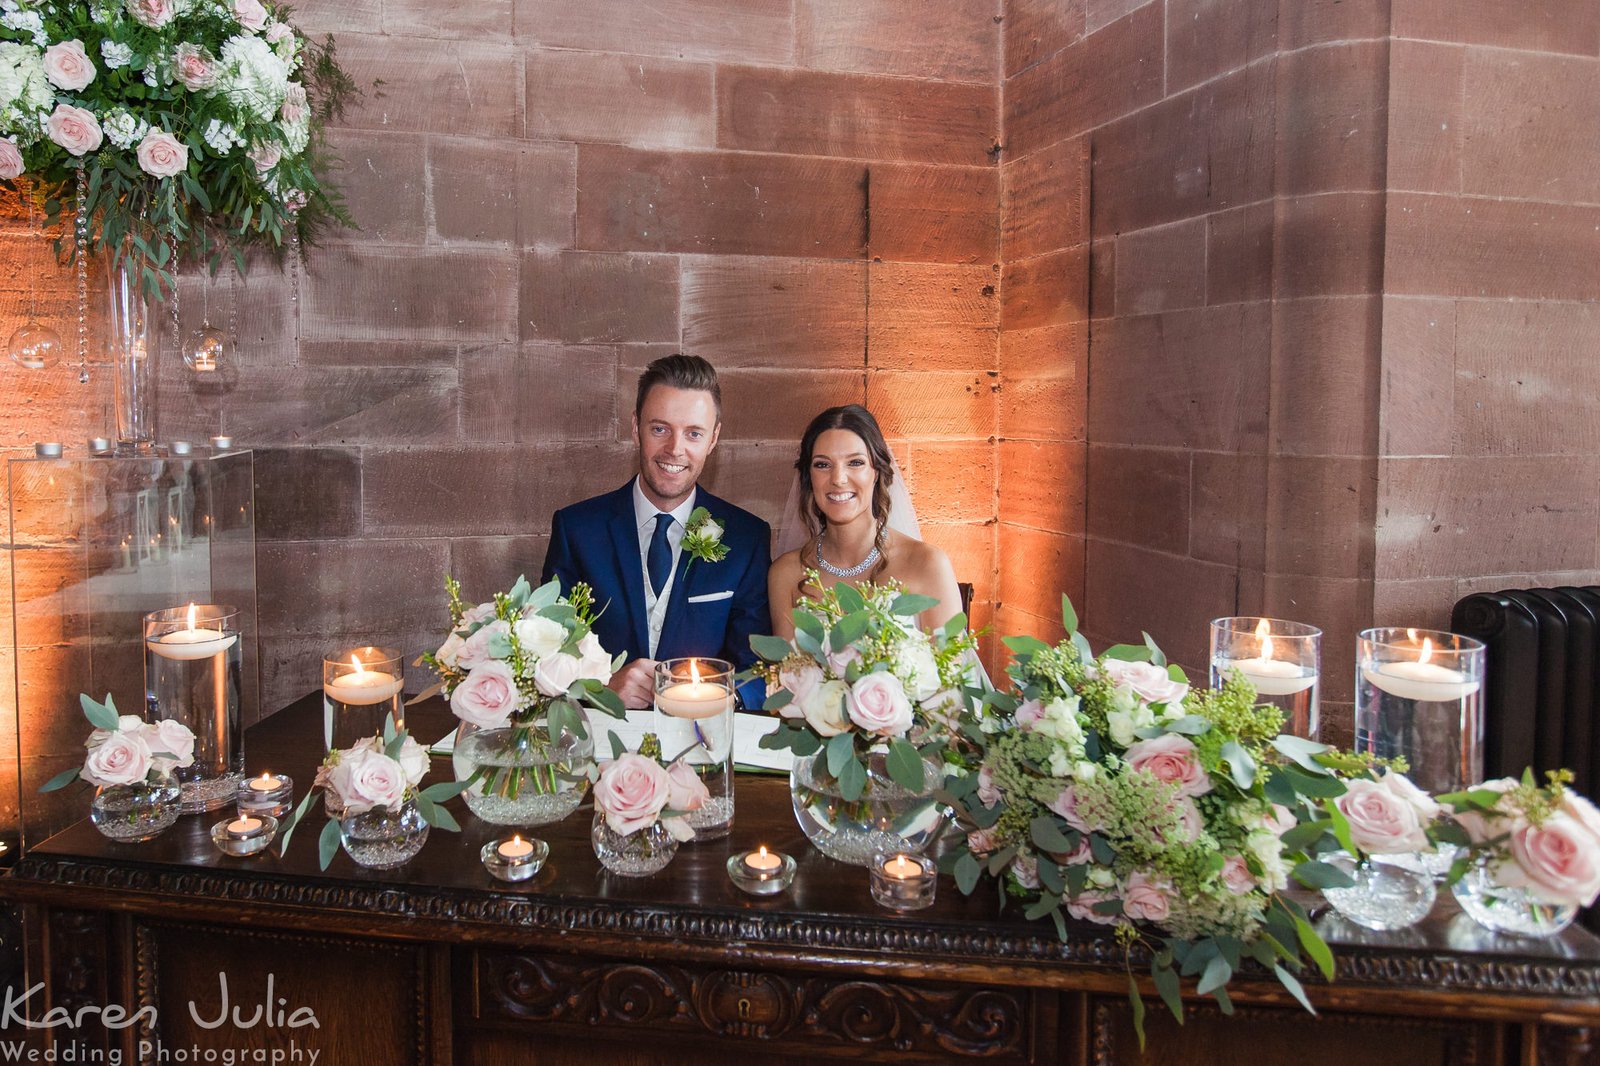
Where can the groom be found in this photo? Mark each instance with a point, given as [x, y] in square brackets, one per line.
[656, 600]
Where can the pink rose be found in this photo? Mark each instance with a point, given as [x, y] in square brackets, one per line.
[1580, 809]
[632, 792]
[685, 790]
[172, 737]
[277, 33]
[67, 66]
[800, 684]
[449, 649]
[1081, 907]
[1170, 758]
[1077, 856]
[557, 673]
[473, 615]
[1145, 900]
[363, 779]
[1279, 820]
[487, 696]
[1236, 875]
[1028, 713]
[194, 67]
[250, 13]
[988, 795]
[1025, 868]
[1403, 788]
[1481, 828]
[10, 160]
[1558, 861]
[413, 760]
[982, 841]
[1191, 823]
[1066, 805]
[839, 661]
[877, 703]
[475, 649]
[74, 129]
[161, 155]
[1381, 823]
[1148, 680]
[296, 106]
[119, 759]
[152, 13]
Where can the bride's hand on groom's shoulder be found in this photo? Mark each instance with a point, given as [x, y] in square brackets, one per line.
[635, 683]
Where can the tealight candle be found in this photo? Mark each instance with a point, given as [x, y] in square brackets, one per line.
[761, 872]
[269, 794]
[902, 881]
[514, 858]
[362, 687]
[695, 698]
[1422, 681]
[191, 642]
[245, 835]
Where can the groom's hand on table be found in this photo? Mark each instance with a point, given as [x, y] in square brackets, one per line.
[636, 684]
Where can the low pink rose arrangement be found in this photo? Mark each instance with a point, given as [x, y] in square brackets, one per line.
[168, 110]
[382, 774]
[860, 677]
[635, 792]
[1544, 840]
[124, 749]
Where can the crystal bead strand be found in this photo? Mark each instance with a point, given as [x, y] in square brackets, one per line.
[172, 265]
[80, 235]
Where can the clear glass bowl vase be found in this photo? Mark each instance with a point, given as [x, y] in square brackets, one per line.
[1509, 910]
[138, 812]
[639, 854]
[380, 839]
[523, 777]
[1385, 896]
[885, 818]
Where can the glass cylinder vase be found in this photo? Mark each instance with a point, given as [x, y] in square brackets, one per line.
[885, 818]
[694, 720]
[638, 854]
[521, 775]
[135, 339]
[1419, 696]
[133, 813]
[1282, 659]
[192, 674]
[360, 692]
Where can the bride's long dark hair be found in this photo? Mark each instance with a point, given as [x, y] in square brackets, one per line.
[858, 420]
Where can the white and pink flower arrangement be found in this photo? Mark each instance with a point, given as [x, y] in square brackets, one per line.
[1107, 790]
[376, 773]
[635, 791]
[1543, 840]
[526, 659]
[193, 125]
[860, 676]
[124, 749]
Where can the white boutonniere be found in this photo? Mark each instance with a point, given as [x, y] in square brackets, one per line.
[702, 537]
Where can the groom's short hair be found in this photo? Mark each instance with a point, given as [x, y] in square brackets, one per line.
[680, 372]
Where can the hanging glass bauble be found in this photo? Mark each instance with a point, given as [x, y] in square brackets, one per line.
[34, 346]
[206, 350]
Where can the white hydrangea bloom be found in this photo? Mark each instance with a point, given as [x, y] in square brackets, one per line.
[24, 91]
[220, 137]
[116, 54]
[30, 22]
[253, 76]
[123, 130]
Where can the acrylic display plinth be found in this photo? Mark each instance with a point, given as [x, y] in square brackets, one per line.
[1419, 695]
[694, 720]
[100, 543]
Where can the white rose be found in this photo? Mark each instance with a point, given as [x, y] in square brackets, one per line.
[449, 649]
[1149, 681]
[539, 636]
[364, 779]
[711, 531]
[556, 673]
[121, 759]
[877, 703]
[255, 77]
[413, 760]
[593, 660]
[172, 737]
[915, 664]
[824, 709]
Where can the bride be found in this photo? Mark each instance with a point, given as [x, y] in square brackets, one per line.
[850, 519]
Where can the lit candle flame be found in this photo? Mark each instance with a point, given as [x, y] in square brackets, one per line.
[356, 664]
[191, 618]
[1264, 633]
[1427, 651]
[694, 670]
[763, 851]
[516, 841]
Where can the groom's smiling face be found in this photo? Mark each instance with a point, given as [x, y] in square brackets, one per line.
[676, 430]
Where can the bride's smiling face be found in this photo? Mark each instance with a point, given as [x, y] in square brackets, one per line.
[842, 476]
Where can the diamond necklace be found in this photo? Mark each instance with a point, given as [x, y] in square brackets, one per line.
[845, 571]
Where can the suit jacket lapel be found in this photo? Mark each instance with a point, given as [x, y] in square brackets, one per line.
[625, 539]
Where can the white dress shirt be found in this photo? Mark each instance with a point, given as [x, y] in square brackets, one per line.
[644, 515]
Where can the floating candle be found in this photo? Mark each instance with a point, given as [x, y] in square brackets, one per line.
[192, 643]
[694, 698]
[362, 687]
[1421, 680]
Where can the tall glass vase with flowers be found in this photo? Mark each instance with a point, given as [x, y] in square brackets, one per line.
[520, 670]
[869, 704]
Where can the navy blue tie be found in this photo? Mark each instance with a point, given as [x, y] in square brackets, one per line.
[660, 558]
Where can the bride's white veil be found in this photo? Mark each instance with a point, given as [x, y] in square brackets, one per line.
[794, 529]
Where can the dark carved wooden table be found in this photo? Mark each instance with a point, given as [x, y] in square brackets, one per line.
[438, 963]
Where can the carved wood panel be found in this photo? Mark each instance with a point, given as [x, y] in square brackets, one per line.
[1265, 1034]
[783, 1011]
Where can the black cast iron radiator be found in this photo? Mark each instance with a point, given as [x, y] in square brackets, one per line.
[1542, 679]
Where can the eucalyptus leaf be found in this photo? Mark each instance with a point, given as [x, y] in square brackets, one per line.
[520, 590]
[841, 749]
[61, 780]
[1317, 786]
[1169, 987]
[1128, 653]
[1025, 645]
[852, 779]
[328, 843]
[1044, 832]
[1069, 617]
[1217, 974]
[1136, 1002]
[777, 699]
[812, 646]
[100, 715]
[608, 701]
[1040, 907]
[1191, 725]
[909, 605]
[1302, 752]
[1315, 947]
[440, 818]
[905, 766]
[1001, 859]
[967, 873]
[1320, 875]
[1050, 877]
[850, 598]
[1292, 983]
[847, 631]
[619, 749]
[773, 649]
[1241, 767]
[806, 622]
[1156, 655]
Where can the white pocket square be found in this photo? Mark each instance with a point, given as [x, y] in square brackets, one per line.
[711, 597]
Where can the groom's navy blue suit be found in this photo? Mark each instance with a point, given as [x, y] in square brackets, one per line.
[713, 613]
